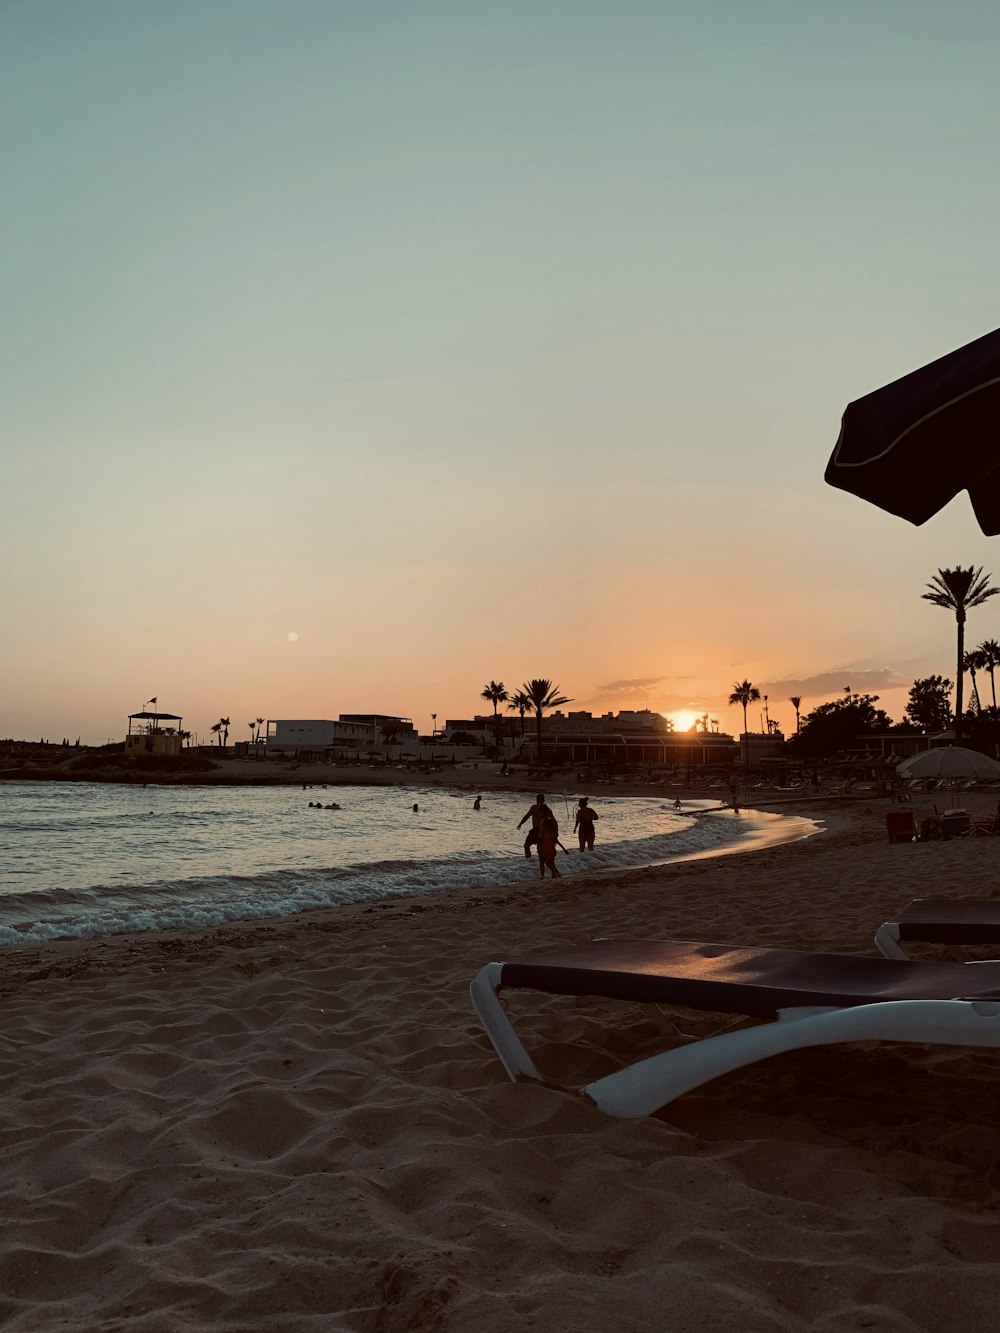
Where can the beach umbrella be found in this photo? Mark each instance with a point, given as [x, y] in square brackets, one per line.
[912, 445]
[950, 761]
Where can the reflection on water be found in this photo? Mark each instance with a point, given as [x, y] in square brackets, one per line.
[86, 859]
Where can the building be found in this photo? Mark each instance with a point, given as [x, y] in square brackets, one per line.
[385, 723]
[629, 737]
[292, 737]
[146, 735]
[757, 745]
[350, 735]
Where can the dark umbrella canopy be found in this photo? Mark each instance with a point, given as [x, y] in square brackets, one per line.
[911, 446]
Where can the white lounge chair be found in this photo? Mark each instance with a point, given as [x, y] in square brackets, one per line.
[950, 922]
[814, 999]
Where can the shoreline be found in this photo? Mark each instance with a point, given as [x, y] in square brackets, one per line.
[73, 952]
[750, 830]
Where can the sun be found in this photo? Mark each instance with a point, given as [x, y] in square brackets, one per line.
[684, 720]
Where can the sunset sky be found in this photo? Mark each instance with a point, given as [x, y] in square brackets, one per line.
[470, 342]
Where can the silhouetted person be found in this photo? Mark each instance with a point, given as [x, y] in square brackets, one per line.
[548, 839]
[536, 813]
[477, 803]
[584, 824]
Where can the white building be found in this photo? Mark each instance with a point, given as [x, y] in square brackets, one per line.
[295, 736]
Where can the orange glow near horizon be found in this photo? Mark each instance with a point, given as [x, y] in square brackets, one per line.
[448, 435]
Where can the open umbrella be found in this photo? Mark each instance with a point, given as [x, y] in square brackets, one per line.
[950, 761]
[911, 446]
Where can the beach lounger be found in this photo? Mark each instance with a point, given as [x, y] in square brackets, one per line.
[814, 999]
[952, 922]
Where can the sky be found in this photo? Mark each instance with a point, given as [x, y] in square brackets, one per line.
[354, 356]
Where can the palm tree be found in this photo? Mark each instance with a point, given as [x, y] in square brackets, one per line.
[519, 703]
[744, 693]
[496, 694]
[224, 724]
[796, 701]
[251, 726]
[975, 661]
[217, 729]
[541, 694]
[959, 590]
[991, 655]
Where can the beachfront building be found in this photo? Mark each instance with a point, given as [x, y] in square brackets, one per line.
[147, 734]
[351, 735]
[628, 738]
[758, 745]
[483, 730]
[295, 738]
[383, 725]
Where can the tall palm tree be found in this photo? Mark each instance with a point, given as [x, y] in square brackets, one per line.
[519, 703]
[224, 724]
[260, 723]
[796, 701]
[975, 661]
[990, 650]
[744, 693]
[496, 693]
[959, 590]
[540, 695]
[217, 729]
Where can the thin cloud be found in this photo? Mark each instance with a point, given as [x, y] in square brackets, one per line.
[633, 685]
[829, 684]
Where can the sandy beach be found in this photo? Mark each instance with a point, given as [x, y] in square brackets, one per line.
[300, 1125]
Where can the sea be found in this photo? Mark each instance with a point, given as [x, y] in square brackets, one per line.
[86, 860]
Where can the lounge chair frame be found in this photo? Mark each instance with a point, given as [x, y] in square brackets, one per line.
[649, 1084]
[952, 923]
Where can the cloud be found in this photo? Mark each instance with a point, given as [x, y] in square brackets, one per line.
[617, 689]
[831, 684]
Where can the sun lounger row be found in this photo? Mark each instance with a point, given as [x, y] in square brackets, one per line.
[806, 999]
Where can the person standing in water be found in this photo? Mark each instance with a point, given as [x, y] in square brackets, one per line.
[548, 838]
[477, 803]
[584, 824]
[536, 813]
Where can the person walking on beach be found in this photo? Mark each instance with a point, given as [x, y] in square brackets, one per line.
[548, 838]
[477, 803]
[584, 824]
[536, 813]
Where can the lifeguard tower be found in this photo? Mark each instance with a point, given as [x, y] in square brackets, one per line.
[148, 735]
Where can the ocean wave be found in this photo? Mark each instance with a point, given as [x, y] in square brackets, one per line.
[219, 900]
[104, 866]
